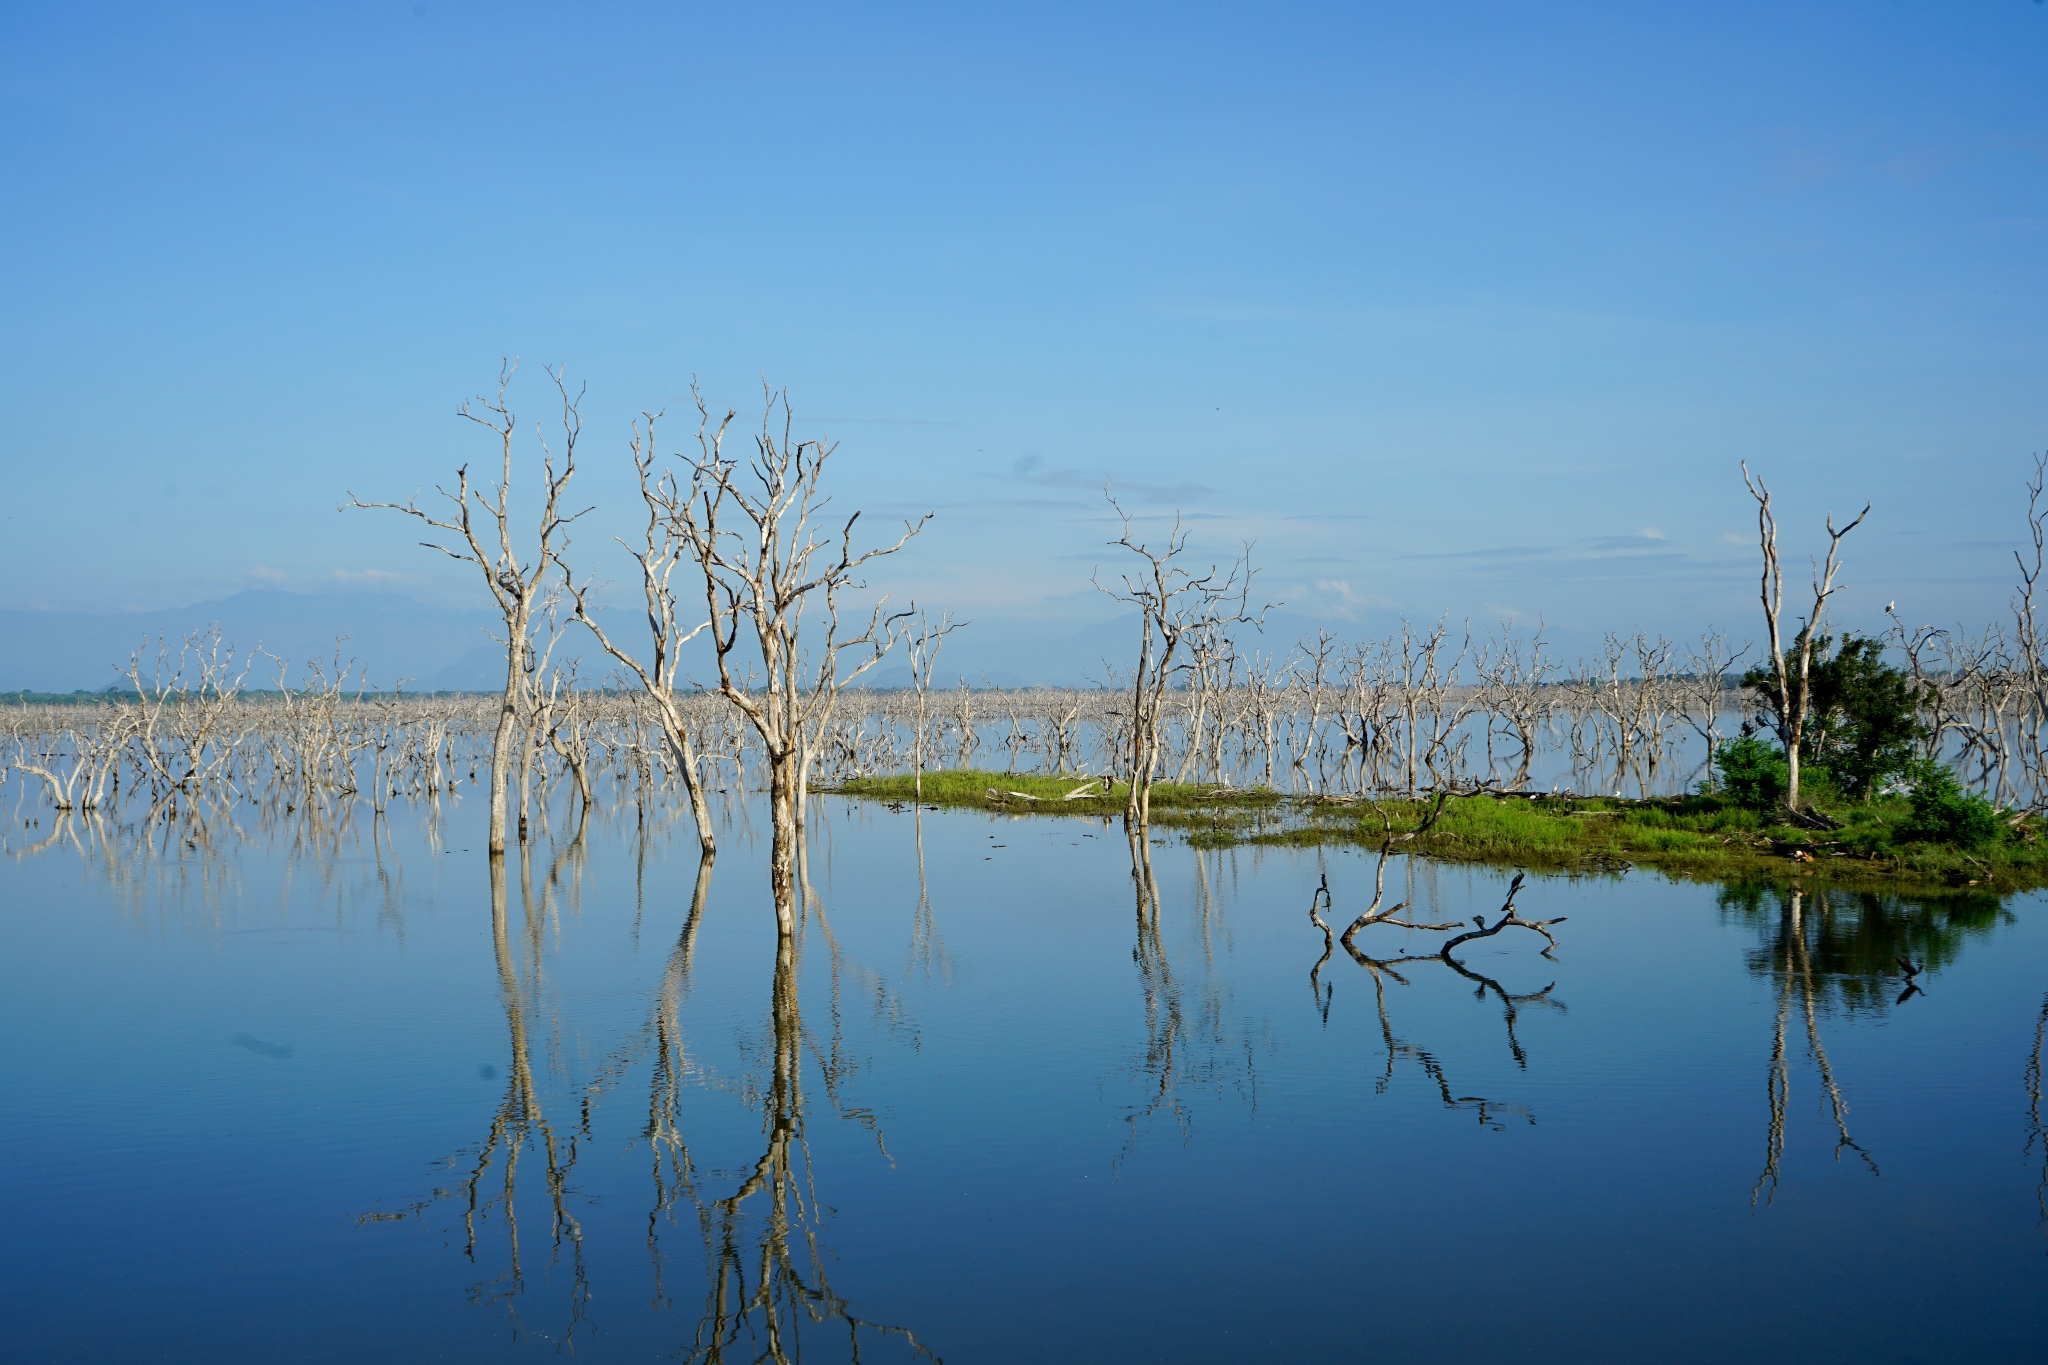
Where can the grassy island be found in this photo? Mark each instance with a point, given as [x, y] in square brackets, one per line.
[1880, 843]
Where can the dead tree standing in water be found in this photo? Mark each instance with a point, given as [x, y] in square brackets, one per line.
[765, 565]
[1174, 605]
[664, 546]
[516, 588]
[1703, 692]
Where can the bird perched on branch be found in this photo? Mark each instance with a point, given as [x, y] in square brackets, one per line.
[1479, 920]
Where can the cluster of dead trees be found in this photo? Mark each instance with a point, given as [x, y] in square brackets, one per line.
[1427, 709]
[737, 562]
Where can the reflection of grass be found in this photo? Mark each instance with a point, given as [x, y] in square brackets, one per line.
[1704, 838]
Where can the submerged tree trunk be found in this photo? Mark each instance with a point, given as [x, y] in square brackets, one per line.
[501, 750]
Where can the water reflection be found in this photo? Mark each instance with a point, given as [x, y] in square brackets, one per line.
[1193, 1036]
[765, 1265]
[520, 1125]
[1800, 982]
[766, 1290]
[190, 855]
[2037, 1132]
[1489, 1112]
[1855, 947]
[730, 1207]
[765, 1262]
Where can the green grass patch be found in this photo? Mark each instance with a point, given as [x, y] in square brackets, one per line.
[1882, 843]
[1063, 794]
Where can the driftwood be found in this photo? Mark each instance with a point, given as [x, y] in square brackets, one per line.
[1509, 917]
[1373, 913]
[1094, 786]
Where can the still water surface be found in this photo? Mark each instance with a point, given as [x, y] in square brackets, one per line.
[303, 1095]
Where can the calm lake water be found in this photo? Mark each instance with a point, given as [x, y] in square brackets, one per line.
[302, 1095]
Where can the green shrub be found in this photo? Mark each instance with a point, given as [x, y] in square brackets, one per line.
[1753, 773]
[1863, 715]
[1943, 813]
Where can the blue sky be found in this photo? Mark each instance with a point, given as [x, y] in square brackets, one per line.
[1466, 308]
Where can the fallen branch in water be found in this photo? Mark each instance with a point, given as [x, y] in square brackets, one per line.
[1509, 917]
[1373, 914]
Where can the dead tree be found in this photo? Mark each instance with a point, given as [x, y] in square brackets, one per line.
[1519, 700]
[663, 546]
[1703, 691]
[1422, 686]
[1790, 695]
[516, 587]
[2032, 665]
[1373, 913]
[1173, 604]
[923, 645]
[1510, 918]
[764, 561]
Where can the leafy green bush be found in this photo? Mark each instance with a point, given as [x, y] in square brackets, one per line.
[1863, 715]
[1753, 773]
[1943, 813]
[1866, 717]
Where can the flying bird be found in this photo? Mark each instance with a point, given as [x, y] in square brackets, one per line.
[1906, 966]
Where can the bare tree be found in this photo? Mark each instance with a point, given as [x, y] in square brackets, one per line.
[2032, 665]
[1174, 604]
[763, 567]
[1519, 700]
[1703, 692]
[1790, 695]
[923, 645]
[516, 587]
[663, 546]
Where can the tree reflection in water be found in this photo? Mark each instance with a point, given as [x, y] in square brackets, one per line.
[519, 1125]
[1489, 1112]
[1851, 942]
[1793, 963]
[1189, 1039]
[764, 1262]
[767, 1292]
[1853, 952]
[2037, 1133]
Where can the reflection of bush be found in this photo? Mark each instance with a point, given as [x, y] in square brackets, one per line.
[1852, 941]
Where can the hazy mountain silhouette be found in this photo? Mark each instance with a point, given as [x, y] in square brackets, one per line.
[389, 635]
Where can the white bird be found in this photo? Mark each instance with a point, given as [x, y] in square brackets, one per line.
[1891, 608]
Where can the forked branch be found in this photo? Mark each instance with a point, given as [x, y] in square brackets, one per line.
[1510, 917]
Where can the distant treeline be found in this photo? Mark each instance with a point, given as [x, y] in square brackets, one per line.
[111, 696]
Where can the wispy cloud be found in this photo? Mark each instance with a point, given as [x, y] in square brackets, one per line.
[1336, 598]
[1032, 470]
[1646, 550]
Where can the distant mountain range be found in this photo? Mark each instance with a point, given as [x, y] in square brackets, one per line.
[392, 637]
[389, 635]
